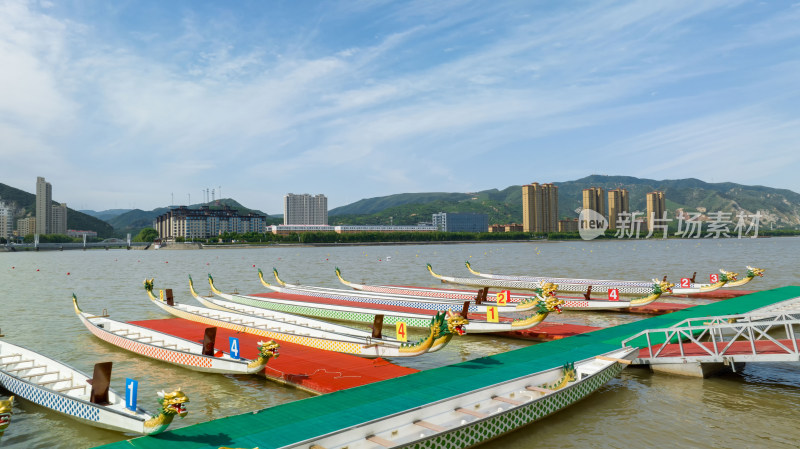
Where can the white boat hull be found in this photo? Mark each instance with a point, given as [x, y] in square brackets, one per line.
[474, 417]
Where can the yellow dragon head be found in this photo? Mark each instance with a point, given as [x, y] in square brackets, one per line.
[553, 304]
[728, 276]
[268, 349]
[549, 289]
[456, 323]
[753, 272]
[662, 286]
[173, 403]
[5, 414]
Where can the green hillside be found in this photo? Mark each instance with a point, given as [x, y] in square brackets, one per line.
[24, 205]
[780, 207]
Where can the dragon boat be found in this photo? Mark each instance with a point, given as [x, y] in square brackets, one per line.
[365, 312]
[438, 343]
[751, 273]
[6, 410]
[177, 351]
[578, 285]
[404, 300]
[473, 417]
[658, 288]
[47, 382]
[311, 336]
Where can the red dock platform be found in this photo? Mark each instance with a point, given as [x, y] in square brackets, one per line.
[310, 369]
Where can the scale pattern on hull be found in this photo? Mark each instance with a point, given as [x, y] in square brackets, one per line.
[49, 399]
[506, 422]
[154, 352]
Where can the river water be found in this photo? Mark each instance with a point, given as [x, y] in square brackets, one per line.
[754, 408]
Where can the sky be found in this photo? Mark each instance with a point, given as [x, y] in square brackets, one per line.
[143, 104]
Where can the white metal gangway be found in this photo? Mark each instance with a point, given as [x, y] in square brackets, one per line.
[769, 337]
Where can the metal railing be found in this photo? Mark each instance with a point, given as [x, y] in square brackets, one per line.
[714, 338]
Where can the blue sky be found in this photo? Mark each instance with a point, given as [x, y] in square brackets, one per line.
[129, 104]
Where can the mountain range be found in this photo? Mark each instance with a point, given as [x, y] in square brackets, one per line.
[780, 208]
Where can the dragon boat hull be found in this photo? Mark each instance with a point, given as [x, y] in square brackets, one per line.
[572, 304]
[49, 383]
[159, 346]
[426, 302]
[477, 416]
[354, 313]
[290, 332]
[573, 285]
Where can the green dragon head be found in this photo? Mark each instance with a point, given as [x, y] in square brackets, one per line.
[148, 284]
[5, 414]
[753, 272]
[173, 403]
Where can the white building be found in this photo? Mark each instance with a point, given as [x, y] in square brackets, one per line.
[305, 209]
[6, 217]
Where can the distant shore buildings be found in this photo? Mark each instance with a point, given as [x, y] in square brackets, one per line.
[618, 203]
[656, 207]
[205, 223]
[460, 222]
[594, 199]
[305, 209]
[50, 218]
[6, 220]
[539, 207]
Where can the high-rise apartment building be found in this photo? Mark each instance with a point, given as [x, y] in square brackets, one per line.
[6, 217]
[656, 206]
[594, 199]
[58, 219]
[44, 201]
[617, 204]
[26, 226]
[539, 207]
[305, 209]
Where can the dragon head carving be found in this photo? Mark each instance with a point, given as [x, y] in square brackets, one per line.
[456, 323]
[569, 372]
[728, 276]
[753, 272]
[660, 287]
[5, 414]
[173, 403]
[550, 303]
[148, 284]
[268, 349]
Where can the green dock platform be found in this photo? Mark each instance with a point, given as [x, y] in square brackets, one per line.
[289, 423]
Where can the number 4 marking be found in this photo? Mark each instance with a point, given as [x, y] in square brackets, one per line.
[400, 327]
[613, 294]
